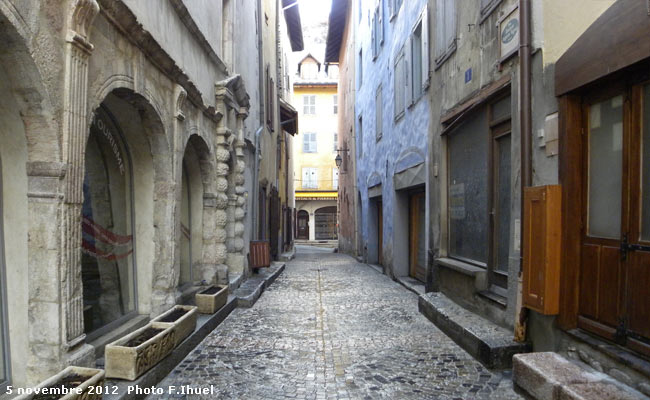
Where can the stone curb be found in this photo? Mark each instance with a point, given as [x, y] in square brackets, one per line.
[492, 346]
[248, 300]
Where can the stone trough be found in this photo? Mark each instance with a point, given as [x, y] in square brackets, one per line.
[183, 326]
[208, 302]
[91, 388]
[128, 360]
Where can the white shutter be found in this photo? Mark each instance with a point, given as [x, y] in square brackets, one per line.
[314, 178]
[381, 23]
[450, 23]
[408, 62]
[305, 178]
[425, 48]
[335, 178]
[440, 28]
[373, 28]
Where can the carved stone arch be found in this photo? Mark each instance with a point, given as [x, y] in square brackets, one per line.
[374, 179]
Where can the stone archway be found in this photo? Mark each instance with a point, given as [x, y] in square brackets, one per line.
[30, 199]
[195, 182]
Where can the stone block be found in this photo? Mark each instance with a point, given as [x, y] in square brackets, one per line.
[544, 374]
[211, 303]
[93, 377]
[184, 325]
[124, 362]
[596, 391]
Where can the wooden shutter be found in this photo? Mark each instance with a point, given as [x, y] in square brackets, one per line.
[542, 247]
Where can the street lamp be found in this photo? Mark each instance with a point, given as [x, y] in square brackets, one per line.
[338, 160]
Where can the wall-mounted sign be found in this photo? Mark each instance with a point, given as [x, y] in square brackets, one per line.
[509, 34]
[468, 75]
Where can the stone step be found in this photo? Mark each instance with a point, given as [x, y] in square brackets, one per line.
[489, 343]
[251, 290]
[549, 376]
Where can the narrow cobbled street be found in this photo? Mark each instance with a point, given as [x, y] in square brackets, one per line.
[331, 328]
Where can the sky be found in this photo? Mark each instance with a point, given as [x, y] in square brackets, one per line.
[314, 16]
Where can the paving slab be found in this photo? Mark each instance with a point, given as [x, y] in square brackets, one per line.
[330, 327]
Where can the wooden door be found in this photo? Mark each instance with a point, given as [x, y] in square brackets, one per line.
[303, 225]
[380, 233]
[615, 249]
[417, 245]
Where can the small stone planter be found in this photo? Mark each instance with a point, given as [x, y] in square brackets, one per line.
[211, 299]
[91, 385]
[134, 354]
[184, 324]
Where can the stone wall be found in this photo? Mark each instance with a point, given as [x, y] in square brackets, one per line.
[165, 89]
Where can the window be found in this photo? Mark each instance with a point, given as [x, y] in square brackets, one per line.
[335, 103]
[107, 262]
[336, 141]
[360, 138]
[309, 70]
[377, 31]
[479, 189]
[335, 178]
[309, 104]
[309, 143]
[400, 84]
[4, 356]
[420, 57]
[487, 6]
[310, 178]
[379, 114]
[445, 29]
[360, 68]
[270, 98]
[394, 7]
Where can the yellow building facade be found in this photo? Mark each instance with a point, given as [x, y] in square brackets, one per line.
[315, 173]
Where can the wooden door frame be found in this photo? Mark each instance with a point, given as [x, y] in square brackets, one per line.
[572, 143]
[298, 224]
[380, 232]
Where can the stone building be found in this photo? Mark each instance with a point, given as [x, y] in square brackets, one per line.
[340, 50]
[317, 176]
[128, 135]
[519, 97]
[392, 114]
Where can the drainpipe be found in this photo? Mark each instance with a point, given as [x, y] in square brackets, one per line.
[256, 177]
[525, 116]
[258, 153]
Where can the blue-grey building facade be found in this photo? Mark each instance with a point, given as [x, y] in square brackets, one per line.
[392, 111]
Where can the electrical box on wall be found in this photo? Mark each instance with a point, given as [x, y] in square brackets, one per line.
[542, 240]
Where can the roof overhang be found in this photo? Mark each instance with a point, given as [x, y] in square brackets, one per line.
[619, 38]
[338, 14]
[294, 26]
[288, 117]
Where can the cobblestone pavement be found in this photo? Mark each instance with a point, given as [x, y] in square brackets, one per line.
[330, 328]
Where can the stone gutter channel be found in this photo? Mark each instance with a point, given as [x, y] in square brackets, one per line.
[245, 296]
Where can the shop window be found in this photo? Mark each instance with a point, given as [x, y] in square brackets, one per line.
[186, 229]
[107, 259]
[479, 191]
[4, 351]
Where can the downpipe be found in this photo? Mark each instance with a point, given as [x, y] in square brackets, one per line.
[525, 131]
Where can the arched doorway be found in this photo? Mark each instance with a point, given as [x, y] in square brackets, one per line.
[325, 222]
[191, 218]
[107, 259]
[303, 225]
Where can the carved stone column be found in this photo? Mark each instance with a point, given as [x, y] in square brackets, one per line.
[75, 126]
[236, 256]
[220, 250]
